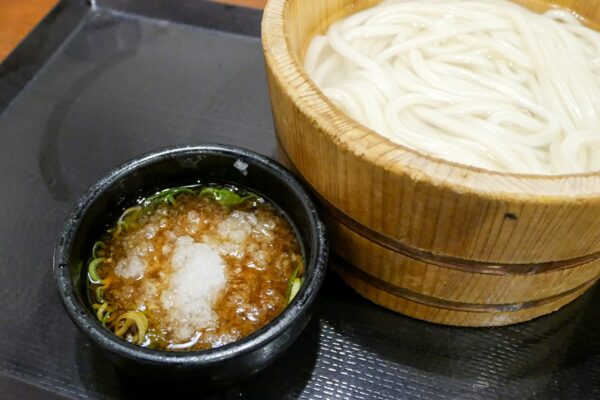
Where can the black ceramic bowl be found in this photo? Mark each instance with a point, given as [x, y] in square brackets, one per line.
[104, 202]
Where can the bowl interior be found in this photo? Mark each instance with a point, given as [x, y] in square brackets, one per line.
[99, 208]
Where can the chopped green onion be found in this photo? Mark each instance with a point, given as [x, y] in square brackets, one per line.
[295, 288]
[122, 222]
[106, 317]
[294, 284]
[97, 246]
[167, 196]
[226, 197]
[100, 294]
[126, 320]
[93, 269]
[103, 312]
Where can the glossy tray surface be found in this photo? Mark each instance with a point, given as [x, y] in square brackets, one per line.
[96, 85]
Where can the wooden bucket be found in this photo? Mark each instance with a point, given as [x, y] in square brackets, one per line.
[431, 239]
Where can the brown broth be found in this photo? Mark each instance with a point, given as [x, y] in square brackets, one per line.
[256, 244]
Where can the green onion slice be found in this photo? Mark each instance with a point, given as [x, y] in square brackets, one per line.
[294, 283]
[166, 196]
[97, 246]
[93, 270]
[125, 322]
[227, 197]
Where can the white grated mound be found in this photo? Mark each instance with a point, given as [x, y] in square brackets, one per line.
[131, 267]
[197, 280]
[237, 226]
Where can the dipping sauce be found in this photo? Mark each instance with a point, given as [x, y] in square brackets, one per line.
[194, 268]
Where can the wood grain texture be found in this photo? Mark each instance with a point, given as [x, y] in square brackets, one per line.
[245, 3]
[18, 18]
[452, 284]
[424, 202]
[427, 204]
[452, 317]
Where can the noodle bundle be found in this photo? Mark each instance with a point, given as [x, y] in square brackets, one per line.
[479, 82]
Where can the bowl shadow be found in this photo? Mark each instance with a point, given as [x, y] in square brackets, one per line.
[285, 378]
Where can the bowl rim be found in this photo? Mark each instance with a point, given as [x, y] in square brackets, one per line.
[87, 323]
[365, 144]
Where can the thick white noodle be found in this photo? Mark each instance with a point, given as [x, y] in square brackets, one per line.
[478, 82]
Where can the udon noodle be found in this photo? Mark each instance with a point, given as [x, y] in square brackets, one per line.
[485, 83]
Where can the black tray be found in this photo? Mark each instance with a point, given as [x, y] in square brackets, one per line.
[96, 84]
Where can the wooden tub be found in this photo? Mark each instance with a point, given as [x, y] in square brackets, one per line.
[431, 239]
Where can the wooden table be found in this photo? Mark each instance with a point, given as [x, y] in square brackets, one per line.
[19, 17]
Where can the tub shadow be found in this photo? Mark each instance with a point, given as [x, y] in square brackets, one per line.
[530, 353]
